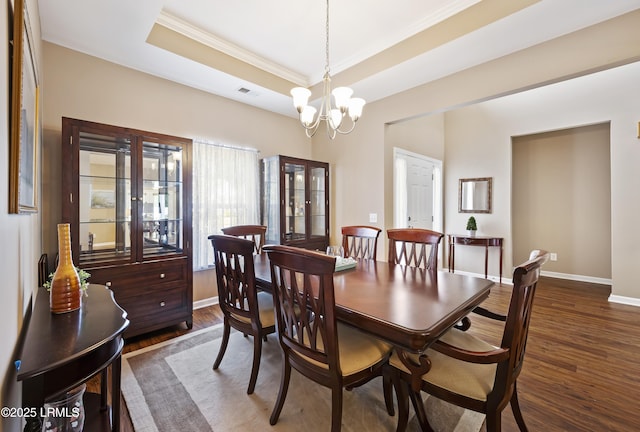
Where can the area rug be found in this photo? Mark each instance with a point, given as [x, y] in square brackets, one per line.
[172, 387]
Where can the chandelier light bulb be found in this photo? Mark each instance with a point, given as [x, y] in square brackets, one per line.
[300, 97]
[355, 108]
[336, 118]
[342, 96]
[307, 115]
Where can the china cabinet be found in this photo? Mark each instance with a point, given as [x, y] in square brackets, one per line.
[127, 195]
[295, 202]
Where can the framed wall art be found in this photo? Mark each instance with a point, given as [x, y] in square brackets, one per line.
[25, 117]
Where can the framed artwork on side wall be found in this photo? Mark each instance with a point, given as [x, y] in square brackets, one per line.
[25, 126]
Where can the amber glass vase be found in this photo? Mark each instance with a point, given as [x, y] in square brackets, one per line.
[65, 295]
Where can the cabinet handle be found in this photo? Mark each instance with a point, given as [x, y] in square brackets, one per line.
[108, 284]
[162, 304]
[161, 275]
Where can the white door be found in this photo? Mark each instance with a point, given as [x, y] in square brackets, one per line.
[417, 191]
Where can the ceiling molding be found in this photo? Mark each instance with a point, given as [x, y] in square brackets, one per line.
[184, 28]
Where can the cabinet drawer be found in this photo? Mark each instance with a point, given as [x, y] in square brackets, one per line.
[162, 302]
[473, 241]
[136, 277]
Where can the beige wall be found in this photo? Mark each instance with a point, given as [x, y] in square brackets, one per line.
[481, 135]
[478, 134]
[561, 200]
[84, 87]
[21, 242]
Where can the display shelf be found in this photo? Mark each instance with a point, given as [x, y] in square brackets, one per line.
[295, 202]
[127, 196]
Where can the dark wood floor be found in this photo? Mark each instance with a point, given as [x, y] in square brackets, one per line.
[582, 366]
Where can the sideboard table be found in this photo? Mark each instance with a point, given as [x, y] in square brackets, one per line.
[62, 351]
[467, 240]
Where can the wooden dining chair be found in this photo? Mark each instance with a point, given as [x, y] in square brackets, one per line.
[414, 247]
[255, 233]
[313, 342]
[360, 241]
[244, 308]
[465, 323]
[469, 372]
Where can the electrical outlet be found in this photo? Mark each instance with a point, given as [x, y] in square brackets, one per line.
[553, 256]
[373, 217]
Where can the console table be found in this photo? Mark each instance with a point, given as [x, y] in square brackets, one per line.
[467, 240]
[62, 351]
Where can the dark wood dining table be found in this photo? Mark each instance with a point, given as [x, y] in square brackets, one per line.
[406, 306]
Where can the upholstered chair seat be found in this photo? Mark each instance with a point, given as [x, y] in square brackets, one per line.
[357, 350]
[265, 310]
[472, 380]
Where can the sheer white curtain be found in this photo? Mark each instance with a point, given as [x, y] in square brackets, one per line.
[226, 191]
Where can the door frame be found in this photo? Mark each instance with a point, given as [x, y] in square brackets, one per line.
[438, 204]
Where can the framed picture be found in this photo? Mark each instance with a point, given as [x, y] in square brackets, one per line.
[25, 117]
[103, 199]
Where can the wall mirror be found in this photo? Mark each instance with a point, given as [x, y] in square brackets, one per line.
[474, 195]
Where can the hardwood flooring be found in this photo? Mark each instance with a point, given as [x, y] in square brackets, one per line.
[581, 370]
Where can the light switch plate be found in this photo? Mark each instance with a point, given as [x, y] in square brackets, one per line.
[373, 217]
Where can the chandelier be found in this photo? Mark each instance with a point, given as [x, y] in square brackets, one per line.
[333, 115]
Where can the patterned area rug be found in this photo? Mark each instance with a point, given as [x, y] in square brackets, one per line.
[172, 387]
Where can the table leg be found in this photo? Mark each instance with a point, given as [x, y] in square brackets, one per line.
[104, 386]
[500, 281]
[116, 368]
[486, 261]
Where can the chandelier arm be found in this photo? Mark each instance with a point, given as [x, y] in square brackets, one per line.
[331, 131]
[312, 127]
[344, 132]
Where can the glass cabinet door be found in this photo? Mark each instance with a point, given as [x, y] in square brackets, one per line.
[271, 199]
[161, 198]
[317, 197]
[104, 200]
[295, 206]
[295, 202]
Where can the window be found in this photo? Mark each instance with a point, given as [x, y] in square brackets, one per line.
[225, 192]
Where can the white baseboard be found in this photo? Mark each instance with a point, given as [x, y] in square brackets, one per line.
[579, 278]
[199, 304]
[631, 301]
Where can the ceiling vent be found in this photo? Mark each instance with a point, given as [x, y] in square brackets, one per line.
[247, 91]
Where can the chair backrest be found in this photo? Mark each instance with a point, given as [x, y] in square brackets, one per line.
[255, 233]
[302, 283]
[360, 241]
[414, 247]
[516, 329]
[235, 275]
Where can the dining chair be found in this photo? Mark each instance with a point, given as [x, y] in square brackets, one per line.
[244, 308]
[313, 342]
[469, 372]
[414, 247]
[255, 233]
[465, 323]
[360, 241]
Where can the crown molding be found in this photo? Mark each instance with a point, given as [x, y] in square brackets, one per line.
[186, 29]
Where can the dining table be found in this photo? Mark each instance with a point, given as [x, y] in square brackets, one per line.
[408, 307]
